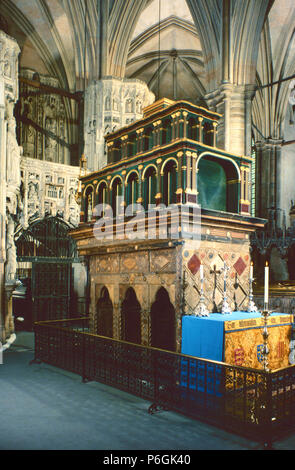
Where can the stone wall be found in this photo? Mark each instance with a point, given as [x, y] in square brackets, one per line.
[43, 119]
[213, 255]
[49, 188]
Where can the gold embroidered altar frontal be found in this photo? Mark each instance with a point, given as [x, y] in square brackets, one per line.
[243, 342]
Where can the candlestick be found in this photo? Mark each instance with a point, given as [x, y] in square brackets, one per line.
[266, 285]
[201, 310]
[225, 306]
[201, 272]
[251, 270]
[251, 307]
[265, 334]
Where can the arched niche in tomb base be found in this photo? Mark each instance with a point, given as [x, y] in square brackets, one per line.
[163, 322]
[104, 314]
[131, 317]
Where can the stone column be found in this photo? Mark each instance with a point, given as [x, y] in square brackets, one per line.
[102, 55]
[3, 127]
[268, 176]
[9, 179]
[234, 103]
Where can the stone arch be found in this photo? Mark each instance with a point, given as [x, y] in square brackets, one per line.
[163, 324]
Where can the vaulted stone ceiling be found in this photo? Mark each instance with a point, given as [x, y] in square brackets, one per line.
[276, 61]
[51, 34]
[167, 55]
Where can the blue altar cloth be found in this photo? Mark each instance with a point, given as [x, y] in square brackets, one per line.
[203, 337]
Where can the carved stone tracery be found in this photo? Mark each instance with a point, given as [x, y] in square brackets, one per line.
[109, 105]
[43, 126]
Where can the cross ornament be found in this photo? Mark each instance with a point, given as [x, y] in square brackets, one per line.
[215, 272]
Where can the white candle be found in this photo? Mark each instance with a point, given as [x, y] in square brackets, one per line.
[266, 282]
[201, 272]
[251, 271]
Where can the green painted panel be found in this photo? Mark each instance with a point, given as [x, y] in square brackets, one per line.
[211, 185]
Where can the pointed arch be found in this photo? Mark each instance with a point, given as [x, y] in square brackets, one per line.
[163, 329]
[131, 317]
[104, 314]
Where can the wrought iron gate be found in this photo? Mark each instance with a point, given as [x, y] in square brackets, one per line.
[47, 245]
[51, 290]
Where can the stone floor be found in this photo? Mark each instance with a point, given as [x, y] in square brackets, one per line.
[45, 408]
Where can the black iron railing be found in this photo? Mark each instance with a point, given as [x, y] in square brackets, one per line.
[253, 403]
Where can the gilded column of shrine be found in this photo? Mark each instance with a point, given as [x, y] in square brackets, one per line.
[124, 188]
[188, 155]
[124, 145]
[159, 195]
[200, 137]
[177, 126]
[174, 127]
[179, 190]
[157, 134]
[183, 176]
[191, 176]
[183, 125]
[194, 172]
[140, 182]
[139, 140]
[109, 192]
[245, 190]
[215, 131]
[110, 147]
